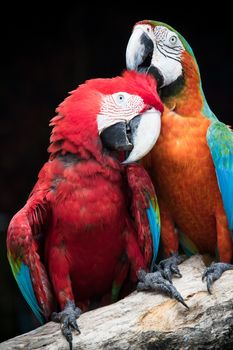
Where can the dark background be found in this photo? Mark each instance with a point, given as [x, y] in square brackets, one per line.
[46, 53]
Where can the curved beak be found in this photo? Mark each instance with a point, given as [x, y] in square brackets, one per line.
[136, 136]
[140, 47]
[145, 130]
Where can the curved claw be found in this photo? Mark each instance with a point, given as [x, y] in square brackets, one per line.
[208, 275]
[175, 270]
[171, 290]
[214, 272]
[176, 295]
[155, 281]
[67, 319]
[209, 284]
[73, 324]
[168, 267]
[168, 272]
[66, 331]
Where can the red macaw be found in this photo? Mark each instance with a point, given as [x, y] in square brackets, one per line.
[89, 218]
[192, 162]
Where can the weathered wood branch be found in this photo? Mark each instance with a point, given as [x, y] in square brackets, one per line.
[150, 321]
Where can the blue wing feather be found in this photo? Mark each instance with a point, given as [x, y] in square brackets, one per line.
[22, 275]
[220, 141]
[154, 221]
[25, 285]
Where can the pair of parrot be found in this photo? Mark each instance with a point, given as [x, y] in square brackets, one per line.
[91, 226]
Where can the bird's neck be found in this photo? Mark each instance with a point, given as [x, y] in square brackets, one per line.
[185, 95]
[65, 146]
[64, 140]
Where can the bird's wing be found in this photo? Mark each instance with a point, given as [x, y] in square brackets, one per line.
[220, 141]
[145, 211]
[24, 239]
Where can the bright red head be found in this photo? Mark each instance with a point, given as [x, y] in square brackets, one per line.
[99, 105]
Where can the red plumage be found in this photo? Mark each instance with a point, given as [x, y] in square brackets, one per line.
[77, 232]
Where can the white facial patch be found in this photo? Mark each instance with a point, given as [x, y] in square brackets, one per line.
[118, 107]
[160, 33]
[167, 54]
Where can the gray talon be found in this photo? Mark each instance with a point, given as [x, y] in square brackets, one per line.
[67, 319]
[168, 267]
[156, 282]
[214, 272]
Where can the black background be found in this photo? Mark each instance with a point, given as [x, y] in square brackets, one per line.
[47, 52]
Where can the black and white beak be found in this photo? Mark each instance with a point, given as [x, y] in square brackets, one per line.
[136, 136]
[139, 50]
[139, 53]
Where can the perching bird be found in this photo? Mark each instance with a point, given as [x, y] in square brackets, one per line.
[192, 162]
[91, 221]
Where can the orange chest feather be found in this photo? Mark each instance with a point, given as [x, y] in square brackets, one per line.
[182, 146]
[183, 172]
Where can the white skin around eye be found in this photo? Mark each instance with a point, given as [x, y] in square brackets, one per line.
[118, 107]
[167, 54]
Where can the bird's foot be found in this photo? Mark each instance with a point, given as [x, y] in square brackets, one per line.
[67, 319]
[169, 267]
[214, 272]
[156, 282]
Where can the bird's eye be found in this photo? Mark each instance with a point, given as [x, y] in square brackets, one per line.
[173, 39]
[120, 98]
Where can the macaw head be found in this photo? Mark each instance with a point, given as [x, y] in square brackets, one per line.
[109, 115]
[156, 48]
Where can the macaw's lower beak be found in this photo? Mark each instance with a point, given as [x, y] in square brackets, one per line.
[115, 137]
[138, 136]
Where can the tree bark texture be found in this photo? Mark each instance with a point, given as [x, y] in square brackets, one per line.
[146, 320]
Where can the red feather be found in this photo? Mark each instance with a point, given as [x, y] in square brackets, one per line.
[81, 203]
